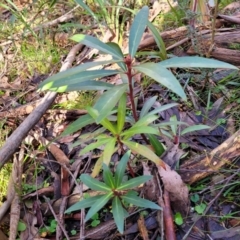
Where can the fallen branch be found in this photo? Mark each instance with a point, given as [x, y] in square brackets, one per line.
[196, 169]
[14, 141]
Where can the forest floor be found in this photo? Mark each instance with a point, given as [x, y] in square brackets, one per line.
[34, 45]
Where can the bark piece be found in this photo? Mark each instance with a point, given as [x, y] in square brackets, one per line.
[177, 189]
[196, 169]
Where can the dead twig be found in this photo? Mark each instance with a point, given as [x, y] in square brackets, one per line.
[15, 207]
[57, 219]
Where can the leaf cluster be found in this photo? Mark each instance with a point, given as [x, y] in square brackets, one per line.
[116, 190]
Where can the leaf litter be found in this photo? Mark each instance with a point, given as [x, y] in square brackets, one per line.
[197, 141]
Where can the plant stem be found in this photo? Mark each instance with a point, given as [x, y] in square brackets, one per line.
[128, 62]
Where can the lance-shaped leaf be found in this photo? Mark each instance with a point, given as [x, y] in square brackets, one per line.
[157, 146]
[194, 128]
[144, 151]
[96, 43]
[121, 167]
[76, 78]
[108, 101]
[118, 214]
[134, 182]
[121, 113]
[94, 184]
[147, 106]
[88, 136]
[173, 127]
[144, 121]
[159, 41]
[85, 203]
[162, 108]
[137, 29]
[78, 124]
[109, 149]
[86, 85]
[94, 145]
[198, 62]
[86, 8]
[108, 176]
[162, 76]
[139, 130]
[137, 201]
[102, 201]
[116, 47]
[73, 71]
[105, 122]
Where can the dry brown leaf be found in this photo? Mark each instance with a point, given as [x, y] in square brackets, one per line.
[151, 191]
[178, 191]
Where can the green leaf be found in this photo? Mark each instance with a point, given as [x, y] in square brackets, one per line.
[85, 203]
[62, 83]
[109, 150]
[86, 85]
[140, 202]
[163, 76]
[194, 128]
[134, 182]
[121, 167]
[162, 108]
[144, 121]
[121, 113]
[118, 214]
[147, 106]
[198, 62]
[166, 133]
[105, 122]
[159, 41]
[157, 146]
[88, 136]
[116, 47]
[178, 219]
[73, 71]
[21, 226]
[96, 43]
[200, 208]
[137, 29]
[102, 201]
[144, 151]
[94, 184]
[78, 124]
[108, 176]
[173, 118]
[139, 130]
[86, 8]
[164, 124]
[108, 101]
[94, 145]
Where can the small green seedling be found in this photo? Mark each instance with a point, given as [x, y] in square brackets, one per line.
[200, 208]
[178, 219]
[116, 191]
[175, 132]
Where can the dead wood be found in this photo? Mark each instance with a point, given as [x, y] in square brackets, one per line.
[16, 138]
[222, 49]
[224, 41]
[196, 169]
